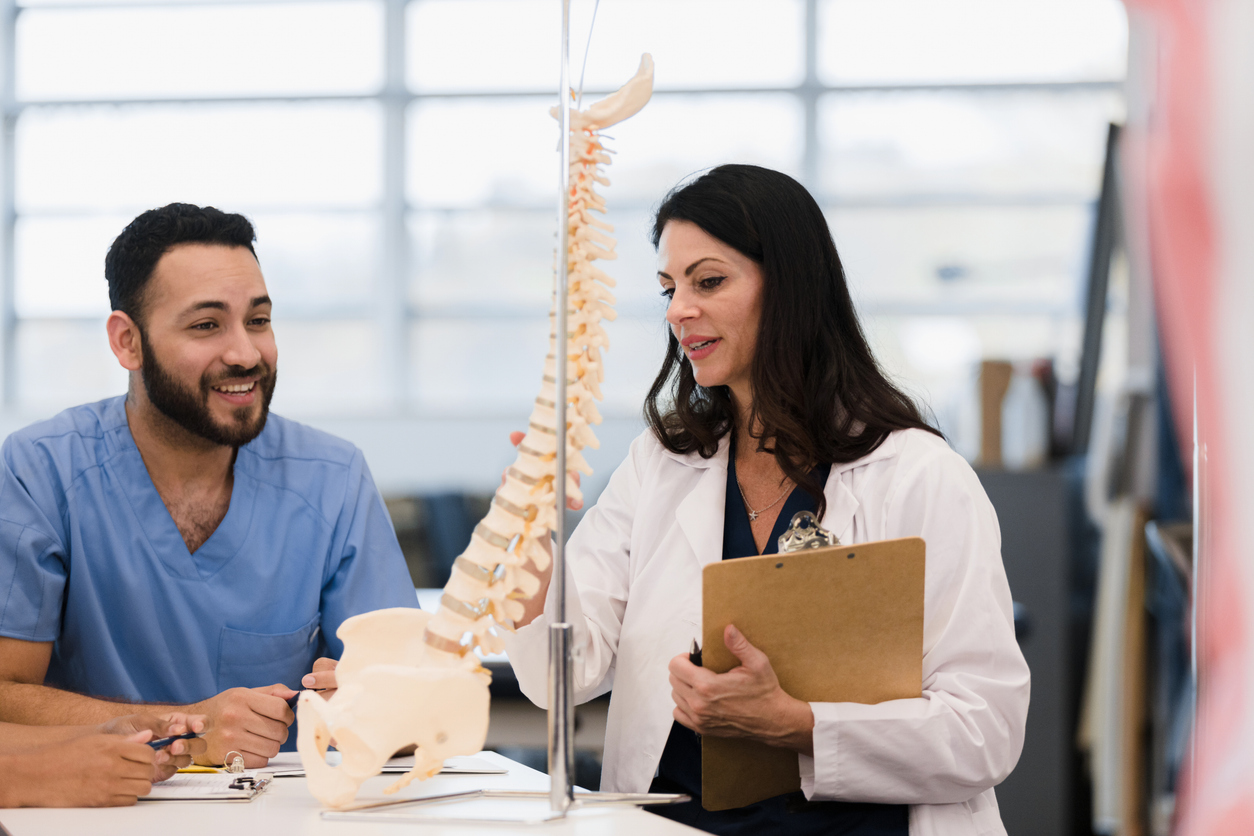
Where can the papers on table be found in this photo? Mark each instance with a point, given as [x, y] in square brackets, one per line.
[214, 786]
[288, 765]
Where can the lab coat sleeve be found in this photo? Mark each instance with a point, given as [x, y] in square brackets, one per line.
[365, 569]
[966, 732]
[33, 562]
[597, 581]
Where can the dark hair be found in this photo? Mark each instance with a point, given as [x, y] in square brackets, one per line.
[819, 395]
[134, 254]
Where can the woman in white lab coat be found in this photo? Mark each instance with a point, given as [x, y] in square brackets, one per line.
[769, 401]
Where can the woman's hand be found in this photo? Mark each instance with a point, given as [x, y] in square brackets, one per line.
[744, 702]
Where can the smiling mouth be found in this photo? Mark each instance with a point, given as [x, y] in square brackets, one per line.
[701, 345]
[235, 388]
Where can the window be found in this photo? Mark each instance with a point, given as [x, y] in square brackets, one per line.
[397, 158]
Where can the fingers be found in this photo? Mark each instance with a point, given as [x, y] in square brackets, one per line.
[271, 702]
[253, 722]
[682, 669]
[179, 722]
[133, 787]
[319, 680]
[279, 690]
[687, 720]
[165, 771]
[185, 749]
[140, 737]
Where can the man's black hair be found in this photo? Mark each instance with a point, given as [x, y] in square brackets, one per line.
[134, 254]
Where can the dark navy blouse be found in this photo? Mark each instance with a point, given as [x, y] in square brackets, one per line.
[680, 767]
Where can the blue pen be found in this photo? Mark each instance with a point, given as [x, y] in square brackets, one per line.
[162, 742]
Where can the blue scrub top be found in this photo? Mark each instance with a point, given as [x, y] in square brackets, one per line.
[91, 560]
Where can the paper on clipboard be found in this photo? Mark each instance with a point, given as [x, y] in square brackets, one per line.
[289, 765]
[212, 786]
[839, 624]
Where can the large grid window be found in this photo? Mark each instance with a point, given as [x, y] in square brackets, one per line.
[399, 163]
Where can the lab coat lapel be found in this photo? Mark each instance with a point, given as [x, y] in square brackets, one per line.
[700, 513]
[842, 505]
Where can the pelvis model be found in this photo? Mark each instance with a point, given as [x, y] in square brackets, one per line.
[412, 678]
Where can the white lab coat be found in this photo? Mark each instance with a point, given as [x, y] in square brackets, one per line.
[634, 598]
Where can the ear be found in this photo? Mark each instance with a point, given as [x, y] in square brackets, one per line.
[125, 341]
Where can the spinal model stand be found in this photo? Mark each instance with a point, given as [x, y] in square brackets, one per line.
[408, 677]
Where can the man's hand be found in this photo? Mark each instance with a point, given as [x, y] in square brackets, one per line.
[175, 756]
[744, 702]
[96, 770]
[323, 677]
[251, 721]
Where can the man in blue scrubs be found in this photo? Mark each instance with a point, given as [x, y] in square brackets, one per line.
[178, 545]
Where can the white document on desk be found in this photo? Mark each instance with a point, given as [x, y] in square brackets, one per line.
[288, 765]
[215, 786]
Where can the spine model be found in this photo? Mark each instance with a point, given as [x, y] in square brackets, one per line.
[492, 576]
[409, 677]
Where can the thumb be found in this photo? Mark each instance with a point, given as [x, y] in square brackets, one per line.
[324, 664]
[740, 647]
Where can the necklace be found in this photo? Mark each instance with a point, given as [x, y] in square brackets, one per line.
[753, 515]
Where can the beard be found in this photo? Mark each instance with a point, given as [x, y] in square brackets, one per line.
[189, 408]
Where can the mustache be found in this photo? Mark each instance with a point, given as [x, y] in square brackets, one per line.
[261, 370]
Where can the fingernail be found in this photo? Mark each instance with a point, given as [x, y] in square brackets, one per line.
[308, 681]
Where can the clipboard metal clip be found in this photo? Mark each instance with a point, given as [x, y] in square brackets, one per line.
[804, 532]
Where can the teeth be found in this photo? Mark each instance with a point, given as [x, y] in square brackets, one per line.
[237, 389]
[699, 346]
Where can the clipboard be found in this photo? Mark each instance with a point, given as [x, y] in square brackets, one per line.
[219, 786]
[839, 624]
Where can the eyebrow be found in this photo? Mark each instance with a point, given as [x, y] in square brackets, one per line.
[693, 266]
[222, 306]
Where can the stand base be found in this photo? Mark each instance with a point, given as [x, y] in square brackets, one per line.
[491, 807]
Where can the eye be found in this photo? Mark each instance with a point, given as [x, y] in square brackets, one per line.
[711, 282]
[259, 321]
[668, 292]
[204, 326]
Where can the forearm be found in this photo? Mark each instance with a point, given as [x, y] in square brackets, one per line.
[16, 737]
[13, 789]
[40, 705]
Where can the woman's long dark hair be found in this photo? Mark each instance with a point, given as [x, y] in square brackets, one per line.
[819, 396]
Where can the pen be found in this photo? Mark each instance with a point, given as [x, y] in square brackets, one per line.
[162, 742]
[694, 655]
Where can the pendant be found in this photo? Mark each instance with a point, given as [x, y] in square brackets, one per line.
[753, 515]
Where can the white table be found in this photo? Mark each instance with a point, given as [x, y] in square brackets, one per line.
[287, 809]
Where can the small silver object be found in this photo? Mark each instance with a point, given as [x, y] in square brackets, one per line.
[804, 532]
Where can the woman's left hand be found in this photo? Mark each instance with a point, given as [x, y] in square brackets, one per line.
[744, 702]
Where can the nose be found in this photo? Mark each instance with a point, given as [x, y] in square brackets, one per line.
[240, 350]
[682, 308]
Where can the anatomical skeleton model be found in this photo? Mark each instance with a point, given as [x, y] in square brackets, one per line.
[409, 677]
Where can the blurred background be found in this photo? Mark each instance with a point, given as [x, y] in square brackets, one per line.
[398, 161]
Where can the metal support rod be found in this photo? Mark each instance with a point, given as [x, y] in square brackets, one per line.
[561, 689]
[561, 720]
